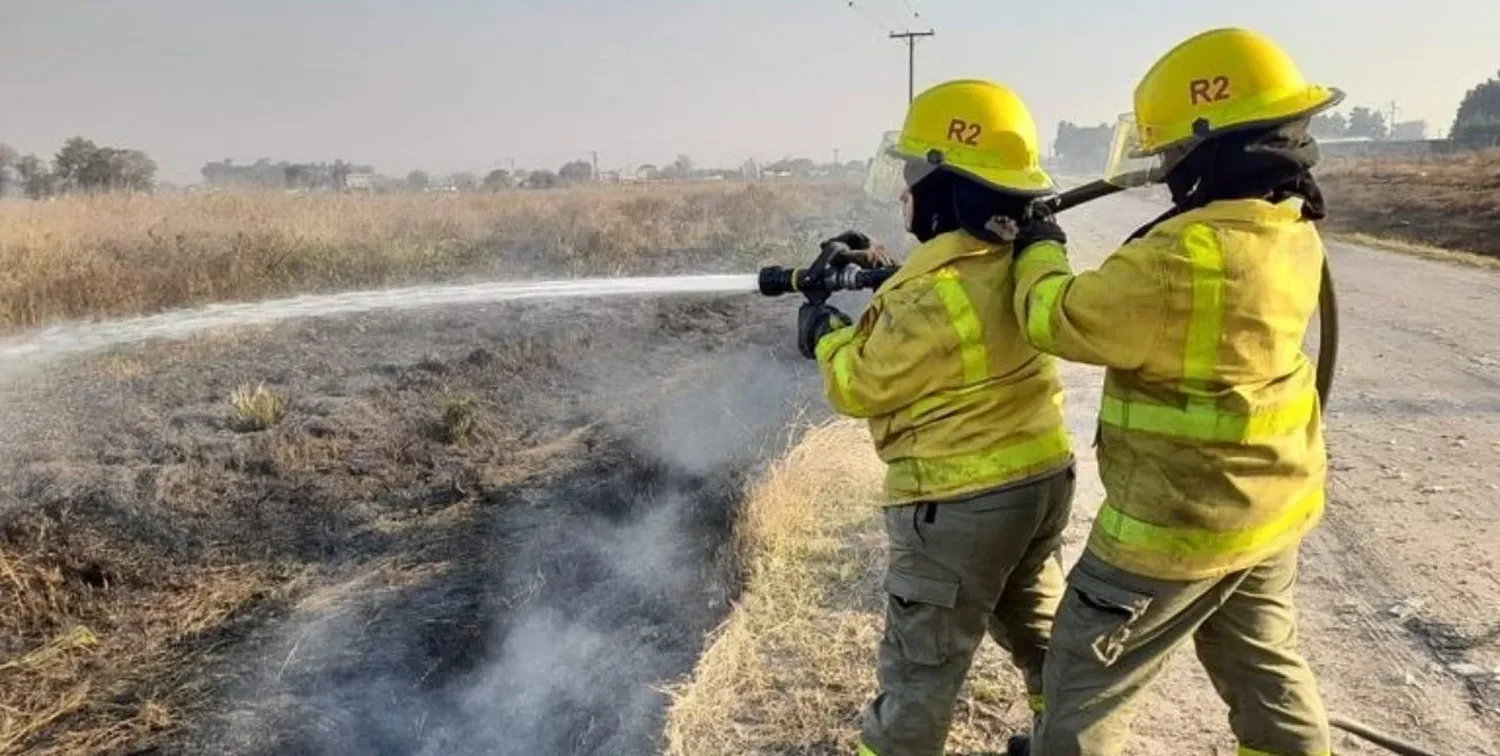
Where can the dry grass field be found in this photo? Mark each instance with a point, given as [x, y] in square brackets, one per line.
[115, 255]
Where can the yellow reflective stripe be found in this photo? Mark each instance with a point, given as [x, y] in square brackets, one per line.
[965, 324]
[1037, 703]
[937, 475]
[831, 350]
[1183, 544]
[1048, 253]
[1206, 325]
[1202, 422]
[1044, 298]
[1248, 751]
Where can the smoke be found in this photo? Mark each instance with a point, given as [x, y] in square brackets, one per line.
[579, 670]
[577, 676]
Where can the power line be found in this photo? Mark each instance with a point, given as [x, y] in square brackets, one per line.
[910, 9]
[868, 16]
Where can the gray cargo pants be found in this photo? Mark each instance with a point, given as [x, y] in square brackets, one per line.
[1115, 631]
[958, 569]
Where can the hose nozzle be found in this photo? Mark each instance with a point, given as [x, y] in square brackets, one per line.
[776, 280]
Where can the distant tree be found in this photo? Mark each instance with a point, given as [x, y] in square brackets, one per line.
[418, 181]
[576, 172]
[85, 166]
[1330, 125]
[8, 158]
[1479, 113]
[77, 164]
[543, 179]
[338, 174]
[497, 179]
[130, 171]
[1369, 123]
[298, 175]
[683, 166]
[36, 180]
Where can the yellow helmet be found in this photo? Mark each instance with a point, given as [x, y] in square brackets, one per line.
[978, 129]
[1219, 81]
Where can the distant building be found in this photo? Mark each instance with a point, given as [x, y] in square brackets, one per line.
[362, 182]
[1409, 131]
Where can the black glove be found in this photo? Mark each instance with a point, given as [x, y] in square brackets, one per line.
[814, 321]
[861, 251]
[1038, 226]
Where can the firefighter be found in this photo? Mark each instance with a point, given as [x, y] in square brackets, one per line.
[965, 414]
[1209, 439]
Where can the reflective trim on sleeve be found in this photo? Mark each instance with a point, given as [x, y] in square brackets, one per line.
[1048, 253]
[1043, 304]
[832, 350]
[965, 324]
[1205, 422]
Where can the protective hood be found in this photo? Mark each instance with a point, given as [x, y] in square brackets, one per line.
[943, 202]
[1272, 164]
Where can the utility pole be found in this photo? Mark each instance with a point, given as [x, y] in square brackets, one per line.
[836, 156]
[1394, 112]
[911, 58]
[595, 154]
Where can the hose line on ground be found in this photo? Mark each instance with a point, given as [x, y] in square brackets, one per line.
[1388, 742]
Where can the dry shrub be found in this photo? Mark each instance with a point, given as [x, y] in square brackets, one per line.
[458, 417]
[792, 668]
[88, 256]
[255, 408]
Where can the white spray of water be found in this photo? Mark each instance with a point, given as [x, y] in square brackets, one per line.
[81, 338]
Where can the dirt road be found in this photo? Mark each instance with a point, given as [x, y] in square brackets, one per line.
[1400, 588]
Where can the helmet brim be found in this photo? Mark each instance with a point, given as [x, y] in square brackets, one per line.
[1306, 103]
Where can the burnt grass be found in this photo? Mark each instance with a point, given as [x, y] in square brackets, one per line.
[359, 580]
[1447, 201]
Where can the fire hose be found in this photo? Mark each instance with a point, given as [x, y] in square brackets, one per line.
[819, 280]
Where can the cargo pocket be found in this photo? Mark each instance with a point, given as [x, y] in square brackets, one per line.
[1109, 614]
[919, 617]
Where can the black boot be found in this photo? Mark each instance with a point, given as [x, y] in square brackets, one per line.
[1019, 745]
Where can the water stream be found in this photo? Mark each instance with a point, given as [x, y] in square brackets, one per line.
[74, 339]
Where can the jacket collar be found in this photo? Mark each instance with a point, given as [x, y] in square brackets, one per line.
[1235, 212]
[942, 250]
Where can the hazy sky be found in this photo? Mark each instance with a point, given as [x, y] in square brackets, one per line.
[471, 84]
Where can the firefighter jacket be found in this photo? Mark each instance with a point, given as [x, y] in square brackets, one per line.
[957, 401]
[1210, 440]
